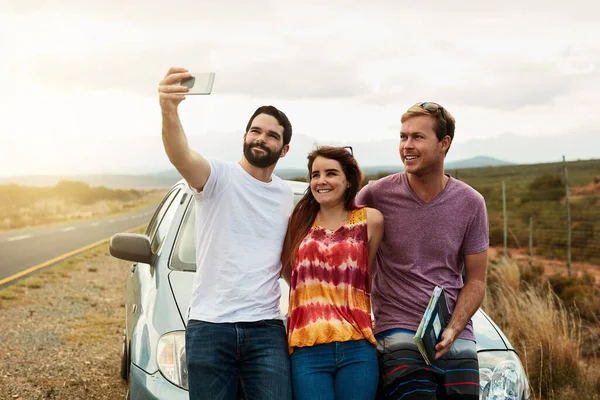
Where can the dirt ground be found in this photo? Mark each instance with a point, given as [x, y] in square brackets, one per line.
[551, 267]
[61, 331]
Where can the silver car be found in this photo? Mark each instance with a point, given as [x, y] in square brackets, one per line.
[158, 293]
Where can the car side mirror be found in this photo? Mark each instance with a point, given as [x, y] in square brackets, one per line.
[131, 247]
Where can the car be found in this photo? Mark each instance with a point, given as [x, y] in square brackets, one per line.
[158, 292]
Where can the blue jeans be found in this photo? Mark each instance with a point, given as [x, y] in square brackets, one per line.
[335, 371]
[251, 354]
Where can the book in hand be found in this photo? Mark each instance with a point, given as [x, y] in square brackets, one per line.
[435, 319]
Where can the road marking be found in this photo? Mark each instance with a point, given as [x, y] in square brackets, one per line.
[67, 229]
[111, 221]
[95, 223]
[15, 238]
[59, 258]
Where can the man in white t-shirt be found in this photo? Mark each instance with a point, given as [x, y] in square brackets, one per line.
[235, 333]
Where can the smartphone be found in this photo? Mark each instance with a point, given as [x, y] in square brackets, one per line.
[199, 83]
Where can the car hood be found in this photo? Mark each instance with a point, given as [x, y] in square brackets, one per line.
[488, 336]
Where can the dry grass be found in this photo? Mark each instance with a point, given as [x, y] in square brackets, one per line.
[11, 293]
[548, 337]
[33, 283]
[90, 329]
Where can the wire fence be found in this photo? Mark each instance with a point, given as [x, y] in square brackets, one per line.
[543, 216]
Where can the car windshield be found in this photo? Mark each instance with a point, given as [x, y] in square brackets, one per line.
[184, 254]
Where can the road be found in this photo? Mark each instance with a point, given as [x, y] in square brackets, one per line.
[24, 249]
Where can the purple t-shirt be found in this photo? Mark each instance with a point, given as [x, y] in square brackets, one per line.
[423, 246]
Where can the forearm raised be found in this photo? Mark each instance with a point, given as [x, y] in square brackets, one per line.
[174, 139]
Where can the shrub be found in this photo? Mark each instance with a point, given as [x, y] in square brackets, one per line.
[578, 293]
[546, 188]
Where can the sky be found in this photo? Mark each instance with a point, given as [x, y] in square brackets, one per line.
[80, 78]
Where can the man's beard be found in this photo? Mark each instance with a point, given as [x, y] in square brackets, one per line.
[261, 161]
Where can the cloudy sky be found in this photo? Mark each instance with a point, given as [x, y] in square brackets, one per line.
[77, 76]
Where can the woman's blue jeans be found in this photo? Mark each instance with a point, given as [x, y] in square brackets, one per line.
[335, 371]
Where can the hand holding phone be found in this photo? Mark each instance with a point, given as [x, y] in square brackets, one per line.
[200, 83]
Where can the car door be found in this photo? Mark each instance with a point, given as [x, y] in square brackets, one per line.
[140, 285]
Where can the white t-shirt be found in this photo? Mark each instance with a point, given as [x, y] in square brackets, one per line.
[240, 228]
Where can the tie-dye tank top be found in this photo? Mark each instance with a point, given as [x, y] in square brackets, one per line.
[330, 291]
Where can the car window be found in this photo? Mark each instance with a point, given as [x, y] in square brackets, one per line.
[184, 256]
[160, 213]
[166, 220]
[185, 250]
[297, 197]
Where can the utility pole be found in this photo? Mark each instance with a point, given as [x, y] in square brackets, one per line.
[568, 217]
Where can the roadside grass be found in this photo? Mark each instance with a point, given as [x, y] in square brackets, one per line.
[549, 337]
[33, 283]
[91, 328]
[11, 293]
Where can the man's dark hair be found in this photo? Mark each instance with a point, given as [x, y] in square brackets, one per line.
[279, 116]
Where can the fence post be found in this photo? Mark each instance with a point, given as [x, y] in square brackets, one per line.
[530, 244]
[568, 217]
[505, 219]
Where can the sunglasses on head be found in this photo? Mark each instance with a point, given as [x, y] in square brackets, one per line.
[349, 148]
[433, 107]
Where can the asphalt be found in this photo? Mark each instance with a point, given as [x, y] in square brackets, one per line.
[24, 249]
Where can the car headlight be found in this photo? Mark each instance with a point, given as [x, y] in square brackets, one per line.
[171, 358]
[501, 376]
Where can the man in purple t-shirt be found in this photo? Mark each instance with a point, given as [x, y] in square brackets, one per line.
[435, 226]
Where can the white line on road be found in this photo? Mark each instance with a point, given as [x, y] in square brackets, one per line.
[111, 221]
[15, 238]
[68, 228]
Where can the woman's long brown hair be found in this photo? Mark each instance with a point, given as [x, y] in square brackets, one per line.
[306, 210]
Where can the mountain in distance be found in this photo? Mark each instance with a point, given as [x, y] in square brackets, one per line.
[476, 162]
[166, 178]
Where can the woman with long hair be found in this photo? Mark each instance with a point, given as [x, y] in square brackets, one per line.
[328, 252]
